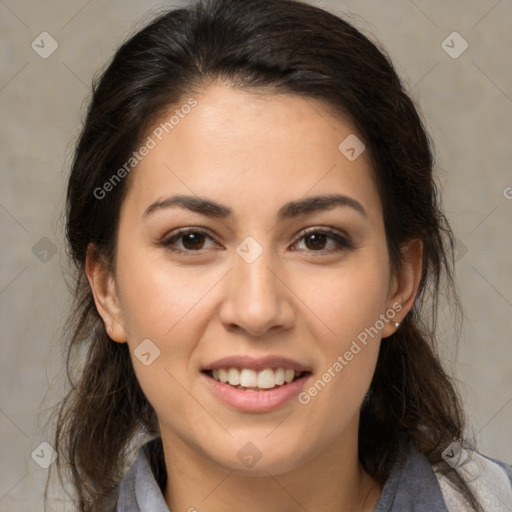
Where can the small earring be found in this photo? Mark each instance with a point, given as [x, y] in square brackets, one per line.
[397, 324]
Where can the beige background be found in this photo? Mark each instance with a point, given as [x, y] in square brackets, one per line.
[467, 104]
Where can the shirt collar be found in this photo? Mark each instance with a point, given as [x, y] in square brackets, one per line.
[411, 485]
[139, 491]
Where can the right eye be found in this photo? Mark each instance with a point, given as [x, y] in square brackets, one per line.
[190, 239]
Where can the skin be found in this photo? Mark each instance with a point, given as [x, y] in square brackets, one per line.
[253, 153]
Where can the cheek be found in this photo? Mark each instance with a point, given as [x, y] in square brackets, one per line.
[157, 297]
[166, 305]
[351, 298]
[349, 302]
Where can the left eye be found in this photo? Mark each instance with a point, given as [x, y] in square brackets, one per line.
[191, 241]
[314, 240]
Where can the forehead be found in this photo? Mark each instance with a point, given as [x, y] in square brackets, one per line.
[246, 147]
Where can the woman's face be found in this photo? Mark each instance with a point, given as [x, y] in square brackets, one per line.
[266, 280]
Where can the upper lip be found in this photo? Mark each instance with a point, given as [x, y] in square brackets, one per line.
[257, 363]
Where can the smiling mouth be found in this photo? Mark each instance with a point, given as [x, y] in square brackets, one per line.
[248, 379]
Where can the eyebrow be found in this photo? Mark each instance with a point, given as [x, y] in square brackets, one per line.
[289, 210]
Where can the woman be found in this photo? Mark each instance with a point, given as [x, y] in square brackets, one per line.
[259, 250]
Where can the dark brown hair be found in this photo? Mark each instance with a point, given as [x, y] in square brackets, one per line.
[276, 46]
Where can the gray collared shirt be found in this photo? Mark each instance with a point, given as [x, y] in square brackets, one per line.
[411, 486]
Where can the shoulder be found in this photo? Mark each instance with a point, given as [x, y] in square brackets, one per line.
[415, 484]
[139, 490]
[490, 480]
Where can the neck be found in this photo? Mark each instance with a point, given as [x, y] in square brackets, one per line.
[332, 481]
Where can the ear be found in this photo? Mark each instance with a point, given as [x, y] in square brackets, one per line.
[404, 284]
[103, 288]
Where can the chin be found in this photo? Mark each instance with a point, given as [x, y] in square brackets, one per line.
[259, 456]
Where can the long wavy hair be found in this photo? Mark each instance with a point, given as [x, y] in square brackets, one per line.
[281, 46]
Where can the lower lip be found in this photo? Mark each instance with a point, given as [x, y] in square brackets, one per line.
[255, 401]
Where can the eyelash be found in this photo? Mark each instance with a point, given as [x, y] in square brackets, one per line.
[341, 241]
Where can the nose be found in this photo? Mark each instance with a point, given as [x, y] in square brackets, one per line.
[256, 298]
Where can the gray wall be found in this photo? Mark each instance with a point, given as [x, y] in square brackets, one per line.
[467, 104]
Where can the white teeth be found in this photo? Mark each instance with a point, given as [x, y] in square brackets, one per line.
[246, 378]
[279, 376]
[223, 375]
[266, 379]
[233, 376]
[288, 375]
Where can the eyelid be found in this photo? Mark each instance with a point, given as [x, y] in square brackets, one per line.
[322, 229]
[340, 237]
[166, 241]
[342, 240]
